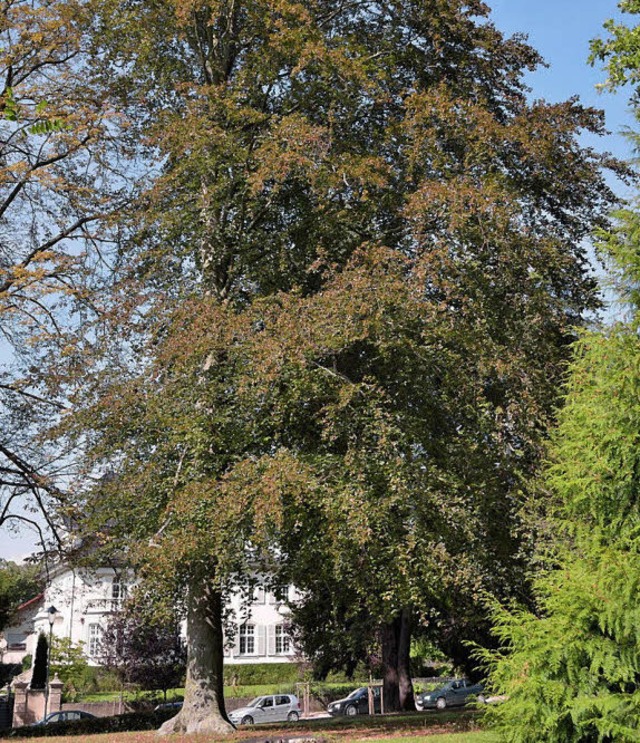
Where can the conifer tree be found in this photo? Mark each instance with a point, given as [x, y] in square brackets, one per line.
[40, 662]
[571, 670]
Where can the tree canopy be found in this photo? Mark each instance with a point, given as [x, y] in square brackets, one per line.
[57, 185]
[18, 584]
[571, 669]
[331, 337]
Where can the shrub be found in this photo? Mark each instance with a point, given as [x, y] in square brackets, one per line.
[117, 724]
[262, 673]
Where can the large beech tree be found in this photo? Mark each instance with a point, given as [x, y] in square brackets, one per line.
[341, 316]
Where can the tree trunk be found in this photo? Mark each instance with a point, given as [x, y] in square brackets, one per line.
[390, 681]
[407, 699]
[203, 709]
[397, 686]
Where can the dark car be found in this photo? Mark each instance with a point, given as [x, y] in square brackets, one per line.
[454, 694]
[357, 703]
[67, 715]
[168, 705]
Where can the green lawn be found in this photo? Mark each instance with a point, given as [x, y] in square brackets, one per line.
[470, 737]
[151, 737]
[445, 727]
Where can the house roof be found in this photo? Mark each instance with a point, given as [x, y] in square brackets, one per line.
[30, 602]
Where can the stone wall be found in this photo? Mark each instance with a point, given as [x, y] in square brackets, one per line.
[31, 705]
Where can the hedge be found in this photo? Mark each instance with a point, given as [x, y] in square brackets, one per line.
[256, 674]
[130, 721]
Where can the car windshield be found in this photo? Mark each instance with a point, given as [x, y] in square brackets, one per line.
[356, 693]
[255, 702]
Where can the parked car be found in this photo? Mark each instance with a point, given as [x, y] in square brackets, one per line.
[454, 694]
[276, 708]
[67, 715]
[168, 705]
[357, 703]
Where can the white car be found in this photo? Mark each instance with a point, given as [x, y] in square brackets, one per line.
[271, 708]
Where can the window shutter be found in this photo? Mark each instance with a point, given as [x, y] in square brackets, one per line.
[261, 631]
[271, 640]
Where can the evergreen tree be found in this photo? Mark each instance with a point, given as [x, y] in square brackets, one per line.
[40, 663]
[571, 670]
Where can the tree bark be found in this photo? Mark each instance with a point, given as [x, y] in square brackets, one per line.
[203, 710]
[390, 681]
[407, 699]
[397, 685]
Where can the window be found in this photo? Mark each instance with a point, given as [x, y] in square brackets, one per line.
[278, 595]
[118, 592]
[247, 639]
[95, 639]
[283, 642]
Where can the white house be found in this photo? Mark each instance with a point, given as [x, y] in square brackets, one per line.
[84, 599]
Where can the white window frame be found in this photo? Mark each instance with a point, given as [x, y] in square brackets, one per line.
[247, 639]
[94, 639]
[118, 592]
[282, 640]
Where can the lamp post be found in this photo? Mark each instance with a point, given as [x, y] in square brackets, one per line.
[51, 617]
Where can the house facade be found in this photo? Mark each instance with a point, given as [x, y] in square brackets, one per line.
[85, 599]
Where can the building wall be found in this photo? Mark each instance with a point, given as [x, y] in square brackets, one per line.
[85, 599]
[260, 628]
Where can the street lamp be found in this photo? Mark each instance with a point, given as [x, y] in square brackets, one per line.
[51, 617]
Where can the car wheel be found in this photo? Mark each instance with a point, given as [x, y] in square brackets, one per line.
[247, 720]
[441, 703]
[293, 717]
[351, 710]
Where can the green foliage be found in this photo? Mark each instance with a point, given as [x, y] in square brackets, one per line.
[572, 673]
[18, 583]
[115, 724]
[262, 673]
[39, 677]
[70, 663]
[337, 328]
[572, 670]
[620, 51]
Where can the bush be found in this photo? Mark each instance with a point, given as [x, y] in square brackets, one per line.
[117, 724]
[262, 673]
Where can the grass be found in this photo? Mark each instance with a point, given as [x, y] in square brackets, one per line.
[151, 737]
[445, 727]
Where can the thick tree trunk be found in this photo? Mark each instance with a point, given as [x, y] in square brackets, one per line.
[407, 699]
[397, 685]
[390, 681]
[203, 710]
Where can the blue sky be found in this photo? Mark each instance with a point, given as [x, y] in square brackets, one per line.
[560, 30]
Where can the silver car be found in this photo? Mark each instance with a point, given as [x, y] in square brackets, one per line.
[271, 708]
